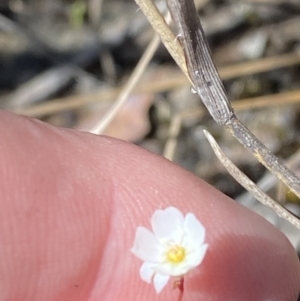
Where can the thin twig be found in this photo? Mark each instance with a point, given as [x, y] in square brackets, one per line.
[130, 85]
[260, 65]
[174, 131]
[280, 99]
[241, 178]
[273, 100]
[270, 2]
[228, 72]
[41, 86]
[263, 155]
[95, 10]
[133, 80]
[137, 73]
[269, 180]
[163, 30]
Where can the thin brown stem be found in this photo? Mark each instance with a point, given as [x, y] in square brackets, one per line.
[179, 284]
[180, 296]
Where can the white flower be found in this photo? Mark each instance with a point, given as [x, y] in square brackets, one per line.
[175, 246]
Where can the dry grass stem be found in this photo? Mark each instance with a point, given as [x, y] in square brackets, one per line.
[95, 10]
[228, 72]
[163, 30]
[133, 80]
[171, 143]
[241, 178]
[269, 2]
[260, 65]
[273, 100]
[209, 86]
[263, 154]
[269, 180]
[130, 85]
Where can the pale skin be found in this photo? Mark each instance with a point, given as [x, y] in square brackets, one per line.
[70, 204]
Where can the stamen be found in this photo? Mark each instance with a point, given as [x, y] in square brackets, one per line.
[176, 254]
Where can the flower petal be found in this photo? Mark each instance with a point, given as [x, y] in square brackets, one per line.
[196, 257]
[168, 224]
[160, 281]
[146, 272]
[170, 269]
[194, 231]
[192, 260]
[145, 245]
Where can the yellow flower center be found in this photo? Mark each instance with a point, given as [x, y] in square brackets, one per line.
[176, 254]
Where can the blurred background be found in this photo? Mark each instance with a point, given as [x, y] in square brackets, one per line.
[65, 62]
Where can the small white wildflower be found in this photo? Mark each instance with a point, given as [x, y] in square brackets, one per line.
[175, 246]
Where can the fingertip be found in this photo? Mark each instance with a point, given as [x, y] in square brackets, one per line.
[117, 187]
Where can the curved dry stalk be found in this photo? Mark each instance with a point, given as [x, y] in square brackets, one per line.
[133, 80]
[168, 38]
[241, 178]
[130, 85]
